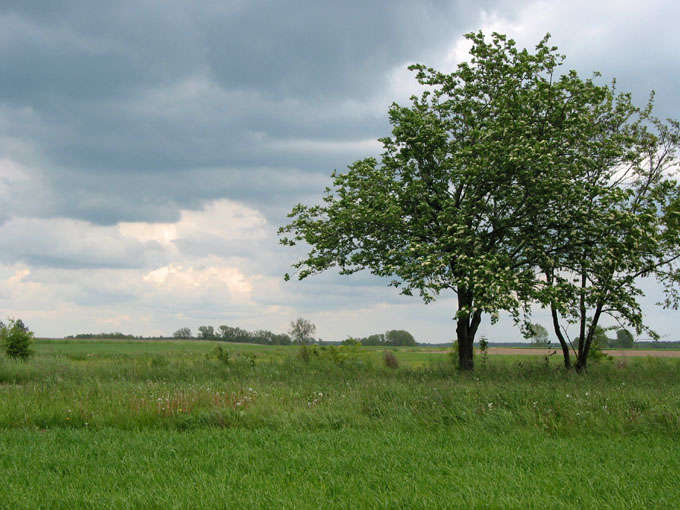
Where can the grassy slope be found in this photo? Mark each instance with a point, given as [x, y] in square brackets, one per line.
[159, 425]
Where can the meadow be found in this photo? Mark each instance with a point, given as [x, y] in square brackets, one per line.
[167, 424]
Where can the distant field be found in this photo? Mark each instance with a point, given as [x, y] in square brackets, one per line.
[165, 424]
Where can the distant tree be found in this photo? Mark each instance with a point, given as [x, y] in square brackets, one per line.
[16, 339]
[182, 333]
[600, 337]
[301, 330]
[350, 341]
[207, 332]
[377, 339]
[537, 334]
[624, 338]
[399, 337]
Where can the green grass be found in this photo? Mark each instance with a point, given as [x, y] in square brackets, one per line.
[93, 424]
[332, 469]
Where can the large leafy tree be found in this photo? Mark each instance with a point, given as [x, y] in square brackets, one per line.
[453, 203]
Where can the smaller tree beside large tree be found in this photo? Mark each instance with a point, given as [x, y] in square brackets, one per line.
[619, 221]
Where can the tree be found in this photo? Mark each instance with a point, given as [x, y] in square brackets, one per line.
[207, 332]
[377, 339]
[624, 338]
[618, 221]
[301, 330]
[399, 337]
[537, 334]
[16, 339]
[182, 333]
[451, 204]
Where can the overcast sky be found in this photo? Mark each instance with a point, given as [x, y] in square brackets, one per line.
[149, 149]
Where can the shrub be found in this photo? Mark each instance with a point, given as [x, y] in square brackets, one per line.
[307, 351]
[16, 340]
[453, 353]
[222, 355]
[484, 350]
[596, 354]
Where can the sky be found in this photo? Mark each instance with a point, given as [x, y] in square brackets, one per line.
[150, 149]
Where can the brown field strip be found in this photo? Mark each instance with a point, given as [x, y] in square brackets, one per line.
[617, 353]
[543, 352]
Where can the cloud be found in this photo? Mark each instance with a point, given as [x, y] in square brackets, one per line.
[178, 278]
[148, 150]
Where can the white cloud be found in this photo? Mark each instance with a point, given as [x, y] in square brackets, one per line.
[180, 278]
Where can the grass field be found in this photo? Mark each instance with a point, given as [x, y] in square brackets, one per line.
[97, 424]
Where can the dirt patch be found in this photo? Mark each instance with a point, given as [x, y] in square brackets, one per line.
[619, 353]
[632, 353]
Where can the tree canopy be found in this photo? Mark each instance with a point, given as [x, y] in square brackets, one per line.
[469, 193]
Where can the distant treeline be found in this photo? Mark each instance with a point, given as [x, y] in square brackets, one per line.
[116, 335]
[657, 345]
[232, 334]
[394, 337]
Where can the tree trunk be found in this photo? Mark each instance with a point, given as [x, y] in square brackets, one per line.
[582, 361]
[550, 277]
[560, 337]
[465, 331]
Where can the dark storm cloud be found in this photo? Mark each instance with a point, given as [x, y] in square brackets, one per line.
[122, 99]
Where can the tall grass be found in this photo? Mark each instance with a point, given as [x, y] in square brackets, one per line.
[169, 425]
[193, 389]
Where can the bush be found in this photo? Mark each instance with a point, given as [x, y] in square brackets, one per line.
[453, 353]
[222, 355]
[16, 340]
[596, 354]
[307, 351]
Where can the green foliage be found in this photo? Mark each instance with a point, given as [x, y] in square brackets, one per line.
[342, 354]
[453, 353]
[306, 352]
[499, 168]
[184, 333]
[222, 355]
[597, 355]
[399, 337]
[226, 357]
[207, 332]
[16, 339]
[114, 335]
[600, 338]
[351, 341]
[624, 339]
[484, 350]
[615, 222]
[393, 338]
